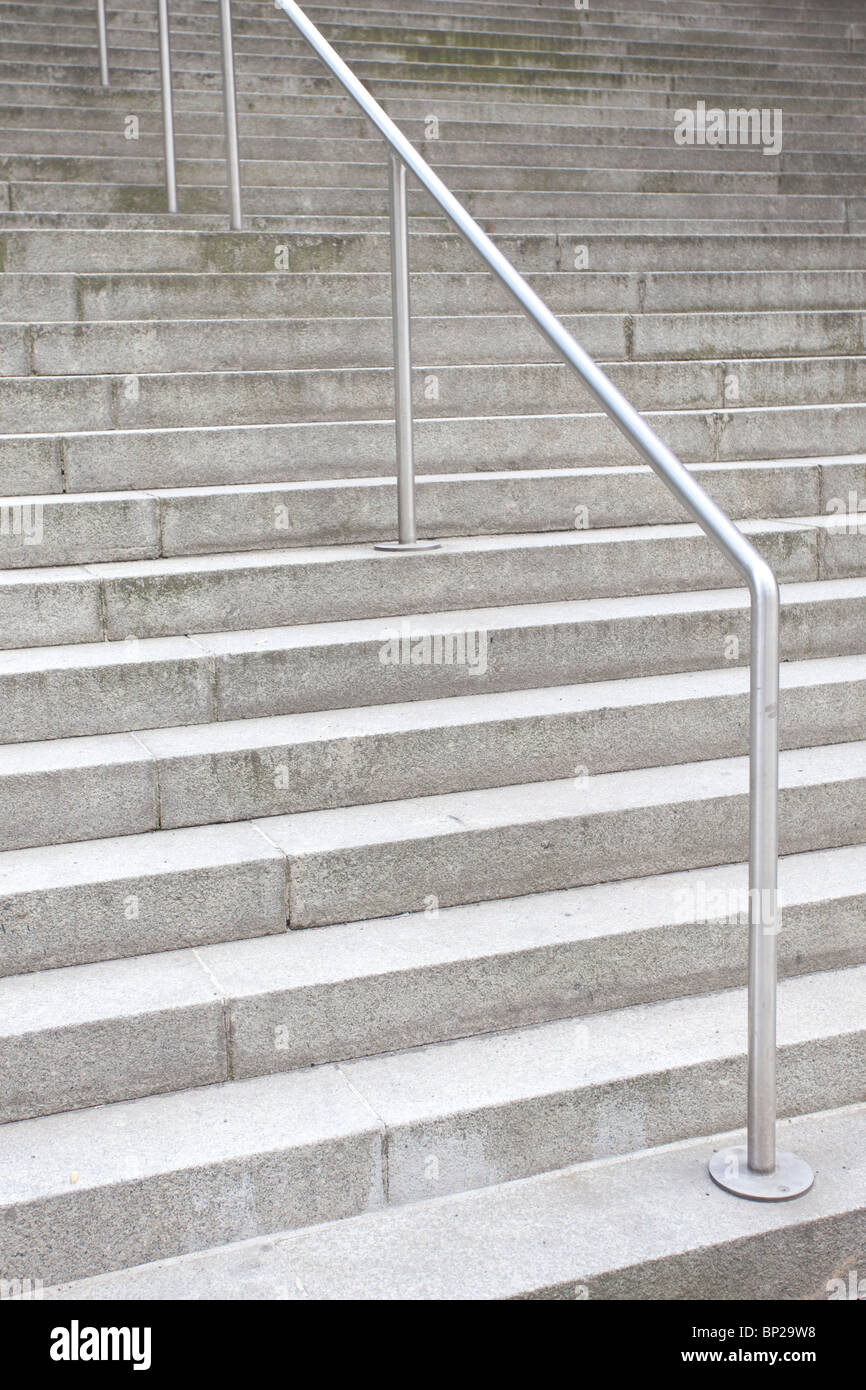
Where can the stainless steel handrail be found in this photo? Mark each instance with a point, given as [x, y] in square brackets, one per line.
[230, 110]
[102, 28]
[230, 113]
[167, 104]
[756, 1170]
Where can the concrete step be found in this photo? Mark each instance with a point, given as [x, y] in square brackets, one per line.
[471, 123]
[601, 62]
[230, 1161]
[82, 251]
[103, 899]
[94, 1034]
[44, 193]
[68, 790]
[735, 25]
[69, 528]
[355, 862]
[230, 591]
[379, 34]
[358, 340]
[339, 139]
[231, 454]
[76, 528]
[97, 688]
[770, 12]
[308, 225]
[257, 673]
[514, 86]
[655, 171]
[588, 107]
[34, 297]
[581, 1232]
[309, 1146]
[273, 46]
[150, 400]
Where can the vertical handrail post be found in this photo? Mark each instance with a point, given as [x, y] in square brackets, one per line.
[763, 878]
[103, 43]
[757, 1169]
[401, 320]
[167, 105]
[230, 111]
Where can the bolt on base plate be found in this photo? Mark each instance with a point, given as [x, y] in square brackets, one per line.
[407, 545]
[791, 1177]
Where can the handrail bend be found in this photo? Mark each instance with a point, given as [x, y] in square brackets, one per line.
[757, 1171]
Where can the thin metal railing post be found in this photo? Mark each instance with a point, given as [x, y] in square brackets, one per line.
[230, 111]
[167, 105]
[103, 43]
[401, 321]
[763, 876]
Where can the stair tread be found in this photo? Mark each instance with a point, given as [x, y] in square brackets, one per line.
[579, 1232]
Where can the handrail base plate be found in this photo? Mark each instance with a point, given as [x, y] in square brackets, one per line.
[792, 1176]
[407, 545]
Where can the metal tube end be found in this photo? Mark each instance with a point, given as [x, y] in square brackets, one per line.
[791, 1177]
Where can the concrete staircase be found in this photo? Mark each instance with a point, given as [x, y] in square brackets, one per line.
[504, 781]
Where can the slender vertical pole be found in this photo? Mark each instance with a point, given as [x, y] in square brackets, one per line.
[763, 879]
[407, 532]
[167, 105]
[103, 43]
[756, 1169]
[230, 108]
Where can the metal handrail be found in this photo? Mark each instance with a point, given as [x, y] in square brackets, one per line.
[102, 29]
[756, 1170]
[167, 104]
[230, 109]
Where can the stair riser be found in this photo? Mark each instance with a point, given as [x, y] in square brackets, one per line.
[79, 530]
[525, 106]
[292, 1027]
[624, 47]
[501, 158]
[724, 82]
[223, 252]
[329, 1022]
[549, 1132]
[773, 15]
[449, 25]
[755, 186]
[590, 847]
[617, 139]
[462, 339]
[154, 1214]
[65, 606]
[28, 296]
[176, 682]
[834, 212]
[187, 889]
[168, 786]
[138, 401]
[121, 461]
[259, 67]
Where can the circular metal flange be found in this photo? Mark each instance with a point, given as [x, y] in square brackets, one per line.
[407, 545]
[791, 1177]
